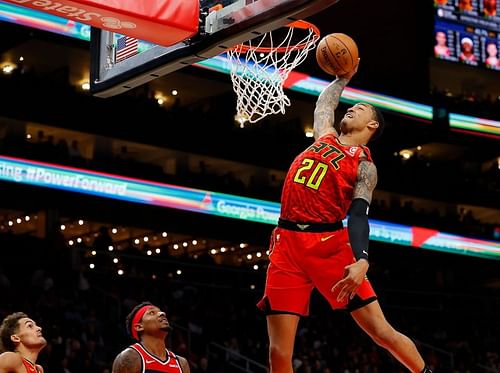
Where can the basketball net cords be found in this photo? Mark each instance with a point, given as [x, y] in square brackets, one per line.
[258, 77]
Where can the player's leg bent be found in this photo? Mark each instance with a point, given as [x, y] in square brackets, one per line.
[372, 320]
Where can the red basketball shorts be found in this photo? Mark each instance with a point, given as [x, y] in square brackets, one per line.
[301, 261]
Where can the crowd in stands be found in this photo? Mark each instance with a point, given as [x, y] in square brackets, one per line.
[470, 103]
[451, 316]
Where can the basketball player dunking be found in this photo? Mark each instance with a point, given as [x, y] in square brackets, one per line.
[309, 249]
[149, 326]
[21, 341]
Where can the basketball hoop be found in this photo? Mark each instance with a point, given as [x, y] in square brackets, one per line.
[260, 67]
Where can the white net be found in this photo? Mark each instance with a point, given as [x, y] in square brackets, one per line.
[259, 74]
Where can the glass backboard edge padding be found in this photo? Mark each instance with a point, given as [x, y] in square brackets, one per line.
[209, 46]
[304, 10]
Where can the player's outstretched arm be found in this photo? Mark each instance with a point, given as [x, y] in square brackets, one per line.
[328, 100]
[324, 113]
[128, 361]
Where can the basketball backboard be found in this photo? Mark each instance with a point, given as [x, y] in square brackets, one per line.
[120, 63]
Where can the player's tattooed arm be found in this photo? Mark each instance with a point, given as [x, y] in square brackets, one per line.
[184, 365]
[127, 361]
[366, 181]
[324, 113]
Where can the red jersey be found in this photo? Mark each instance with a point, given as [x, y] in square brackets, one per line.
[320, 182]
[30, 367]
[152, 364]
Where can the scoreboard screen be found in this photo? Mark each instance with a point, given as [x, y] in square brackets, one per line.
[468, 32]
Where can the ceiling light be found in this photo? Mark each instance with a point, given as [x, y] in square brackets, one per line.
[174, 92]
[309, 132]
[7, 69]
[241, 119]
[85, 86]
[406, 154]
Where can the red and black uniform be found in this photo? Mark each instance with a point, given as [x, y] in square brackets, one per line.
[30, 367]
[310, 247]
[153, 364]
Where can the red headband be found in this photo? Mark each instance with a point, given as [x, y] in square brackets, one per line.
[137, 319]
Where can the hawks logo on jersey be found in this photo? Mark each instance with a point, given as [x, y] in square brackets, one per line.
[352, 150]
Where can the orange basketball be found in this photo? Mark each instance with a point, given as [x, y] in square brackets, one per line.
[337, 54]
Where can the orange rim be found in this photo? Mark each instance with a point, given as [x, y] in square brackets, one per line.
[242, 48]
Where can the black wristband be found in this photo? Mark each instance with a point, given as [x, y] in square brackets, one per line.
[358, 228]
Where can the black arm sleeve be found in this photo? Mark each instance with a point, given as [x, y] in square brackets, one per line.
[358, 228]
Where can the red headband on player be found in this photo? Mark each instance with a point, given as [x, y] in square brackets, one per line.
[137, 319]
